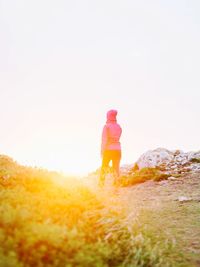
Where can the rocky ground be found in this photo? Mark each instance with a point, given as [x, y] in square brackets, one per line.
[169, 208]
[169, 162]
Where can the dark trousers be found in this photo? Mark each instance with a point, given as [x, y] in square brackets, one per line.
[115, 157]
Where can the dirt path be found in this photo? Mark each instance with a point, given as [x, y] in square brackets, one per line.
[162, 208]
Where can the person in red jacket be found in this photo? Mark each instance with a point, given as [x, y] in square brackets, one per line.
[110, 146]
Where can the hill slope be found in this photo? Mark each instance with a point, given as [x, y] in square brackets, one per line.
[168, 210]
[50, 220]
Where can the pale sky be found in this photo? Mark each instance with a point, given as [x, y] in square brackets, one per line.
[63, 64]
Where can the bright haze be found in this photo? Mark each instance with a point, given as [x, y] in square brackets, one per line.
[63, 64]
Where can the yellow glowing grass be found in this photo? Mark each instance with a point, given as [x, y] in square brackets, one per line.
[45, 224]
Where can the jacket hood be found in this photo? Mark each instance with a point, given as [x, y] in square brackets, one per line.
[111, 115]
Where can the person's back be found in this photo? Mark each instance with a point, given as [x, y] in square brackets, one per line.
[111, 147]
[114, 134]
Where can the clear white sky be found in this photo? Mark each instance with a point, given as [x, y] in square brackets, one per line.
[63, 64]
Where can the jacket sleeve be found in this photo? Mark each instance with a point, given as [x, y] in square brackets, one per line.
[104, 139]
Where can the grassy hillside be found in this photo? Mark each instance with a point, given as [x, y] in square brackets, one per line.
[46, 220]
[169, 210]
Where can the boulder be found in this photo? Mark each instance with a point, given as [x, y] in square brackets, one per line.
[169, 162]
[154, 158]
[175, 161]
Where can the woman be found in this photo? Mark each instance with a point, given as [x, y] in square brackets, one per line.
[110, 146]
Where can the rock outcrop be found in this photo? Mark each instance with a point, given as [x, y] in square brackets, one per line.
[169, 162]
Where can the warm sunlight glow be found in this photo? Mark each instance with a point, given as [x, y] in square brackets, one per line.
[64, 65]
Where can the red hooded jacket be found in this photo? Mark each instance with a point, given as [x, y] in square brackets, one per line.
[111, 133]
